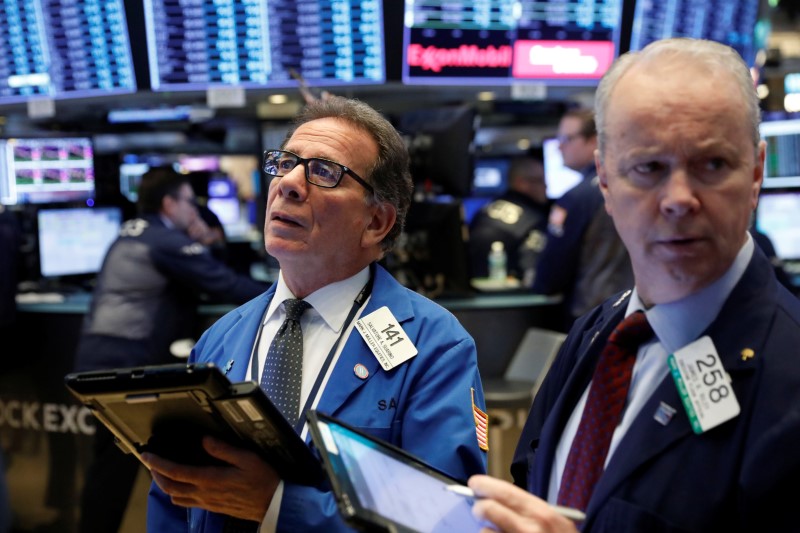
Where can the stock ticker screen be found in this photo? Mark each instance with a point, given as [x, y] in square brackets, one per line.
[724, 21]
[571, 42]
[197, 44]
[63, 49]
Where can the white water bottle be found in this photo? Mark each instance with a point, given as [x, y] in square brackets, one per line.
[497, 262]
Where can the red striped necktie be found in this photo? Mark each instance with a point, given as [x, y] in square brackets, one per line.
[603, 411]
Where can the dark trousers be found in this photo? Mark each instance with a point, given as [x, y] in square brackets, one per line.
[108, 484]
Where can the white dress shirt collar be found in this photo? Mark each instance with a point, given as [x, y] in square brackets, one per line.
[332, 302]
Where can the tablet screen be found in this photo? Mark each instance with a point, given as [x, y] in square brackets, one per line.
[394, 486]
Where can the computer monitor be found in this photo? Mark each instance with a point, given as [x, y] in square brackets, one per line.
[431, 255]
[782, 165]
[133, 166]
[558, 177]
[74, 241]
[491, 176]
[46, 170]
[441, 145]
[223, 200]
[778, 216]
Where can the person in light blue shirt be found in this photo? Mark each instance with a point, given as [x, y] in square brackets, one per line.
[708, 436]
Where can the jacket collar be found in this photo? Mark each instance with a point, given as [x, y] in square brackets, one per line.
[240, 337]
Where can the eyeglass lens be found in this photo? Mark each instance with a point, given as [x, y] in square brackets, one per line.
[318, 171]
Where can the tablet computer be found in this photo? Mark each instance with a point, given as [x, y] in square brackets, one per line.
[379, 487]
[167, 409]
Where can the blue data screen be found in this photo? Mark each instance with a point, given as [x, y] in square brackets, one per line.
[63, 49]
[731, 22]
[197, 44]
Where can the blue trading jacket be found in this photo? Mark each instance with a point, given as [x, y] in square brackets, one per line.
[423, 406]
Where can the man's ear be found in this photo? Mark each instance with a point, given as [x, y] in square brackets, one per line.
[602, 178]
[382, 221]
[758, 172]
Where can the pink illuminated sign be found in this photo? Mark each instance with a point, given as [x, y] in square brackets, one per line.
[562, 59]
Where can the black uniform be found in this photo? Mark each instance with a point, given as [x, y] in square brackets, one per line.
[147, 293]
[519, 223]
[146, 298]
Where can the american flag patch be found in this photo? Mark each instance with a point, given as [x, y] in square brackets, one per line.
[481, 425]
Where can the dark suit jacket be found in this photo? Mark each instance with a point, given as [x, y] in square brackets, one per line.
[743, 475]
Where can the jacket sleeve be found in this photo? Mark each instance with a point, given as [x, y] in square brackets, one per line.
[162, 515]
[191, 264]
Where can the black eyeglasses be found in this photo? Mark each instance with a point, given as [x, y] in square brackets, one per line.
[320, 172]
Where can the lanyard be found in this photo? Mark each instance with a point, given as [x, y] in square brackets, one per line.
[357, 303]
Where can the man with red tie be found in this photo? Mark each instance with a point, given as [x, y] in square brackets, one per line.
[674, 406]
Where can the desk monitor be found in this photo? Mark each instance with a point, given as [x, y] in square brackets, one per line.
[223, 200]
[46, 170]
[491, 176]
[74, 241]
[782, 166]
[558, 177]
[133, 166]
[431, 255]
[778, 216]
[441, 147]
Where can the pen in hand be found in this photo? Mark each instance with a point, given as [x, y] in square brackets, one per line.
[567, 512]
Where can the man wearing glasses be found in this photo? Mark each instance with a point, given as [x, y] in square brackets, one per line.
[338, 194]
[584, 258]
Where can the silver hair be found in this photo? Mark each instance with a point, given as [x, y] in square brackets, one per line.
[717, 58]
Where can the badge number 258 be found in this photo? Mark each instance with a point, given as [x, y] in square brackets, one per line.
[704, 386]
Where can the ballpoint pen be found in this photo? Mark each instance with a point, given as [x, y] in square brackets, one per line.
[567, 512]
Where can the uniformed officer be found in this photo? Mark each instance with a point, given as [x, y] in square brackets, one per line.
[338, 195]
[517, 218]
[145, 299]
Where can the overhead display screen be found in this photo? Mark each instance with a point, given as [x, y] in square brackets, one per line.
[569, 42]
[64, 49]
[730, 22]
[198, 44]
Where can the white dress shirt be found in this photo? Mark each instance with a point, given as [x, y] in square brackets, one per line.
[322, 326]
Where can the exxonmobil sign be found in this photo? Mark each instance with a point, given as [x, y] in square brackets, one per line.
[562, 59]
[435, 58]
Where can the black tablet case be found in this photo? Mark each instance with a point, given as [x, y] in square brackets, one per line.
[166, 409]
